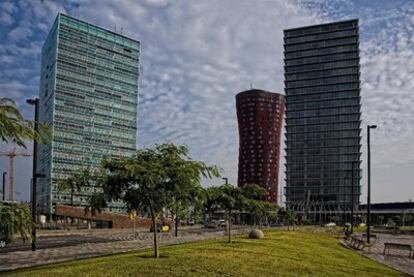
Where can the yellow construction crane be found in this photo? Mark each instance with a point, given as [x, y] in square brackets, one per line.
[12, 155]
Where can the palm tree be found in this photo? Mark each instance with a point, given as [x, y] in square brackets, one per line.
[14, 128]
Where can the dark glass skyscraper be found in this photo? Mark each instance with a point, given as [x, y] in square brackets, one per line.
[323, 132]
[260, 117]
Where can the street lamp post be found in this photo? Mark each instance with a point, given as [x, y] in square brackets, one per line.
[34, 102]
[369, 127]
[352, 198]
[4, 186]
[226, 180]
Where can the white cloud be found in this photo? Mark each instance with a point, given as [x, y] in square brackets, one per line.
[197, 55]
[210, 51]
[387, 62]
[7, 9]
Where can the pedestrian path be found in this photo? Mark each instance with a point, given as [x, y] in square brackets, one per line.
[23, 259]
[398, 259]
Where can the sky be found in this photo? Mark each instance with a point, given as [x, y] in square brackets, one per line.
[197, 55]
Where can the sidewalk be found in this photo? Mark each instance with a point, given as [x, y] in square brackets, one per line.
[397, 259]
[23, 259]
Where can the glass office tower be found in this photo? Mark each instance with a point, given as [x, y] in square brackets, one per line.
[89, 97]
[323, 147]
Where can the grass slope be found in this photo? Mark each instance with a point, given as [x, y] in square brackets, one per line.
[281, 253]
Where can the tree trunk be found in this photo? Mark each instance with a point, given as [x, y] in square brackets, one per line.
[176, 225]
[156, 254]
[229, 226]
[71, 195]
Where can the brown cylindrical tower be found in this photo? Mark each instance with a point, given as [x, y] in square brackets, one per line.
[260, 117]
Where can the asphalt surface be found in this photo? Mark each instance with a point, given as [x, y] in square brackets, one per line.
[53, 242]
[59, 239]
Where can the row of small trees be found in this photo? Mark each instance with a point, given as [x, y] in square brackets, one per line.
[166, 178]
[151, 181]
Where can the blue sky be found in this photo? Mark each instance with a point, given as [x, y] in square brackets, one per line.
[197, 55]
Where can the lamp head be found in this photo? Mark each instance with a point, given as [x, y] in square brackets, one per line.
[31, 101]
[40, 175]
[372, 126]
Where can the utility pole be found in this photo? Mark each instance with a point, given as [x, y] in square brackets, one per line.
[4, 186]
[11, 177]
[352, 198]
[35, 102]
[369, 127]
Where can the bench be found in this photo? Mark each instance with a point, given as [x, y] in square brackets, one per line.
[398, 246]
[357, 243]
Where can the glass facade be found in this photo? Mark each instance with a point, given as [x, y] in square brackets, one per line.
[323, 135]
[89, 97]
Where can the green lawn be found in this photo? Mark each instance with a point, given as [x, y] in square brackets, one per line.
[281, 253]
[407, 228]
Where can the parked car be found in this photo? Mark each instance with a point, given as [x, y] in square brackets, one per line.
[211, 225]
[161, 228]
[222, 223]
[276, 224]
[191, 222]
[3, 241]
[330, 224]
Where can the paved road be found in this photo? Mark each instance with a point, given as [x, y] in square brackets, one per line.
[54, 241]
[75, 237]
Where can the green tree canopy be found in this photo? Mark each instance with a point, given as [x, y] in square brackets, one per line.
[76, 182]
[230, 199]
[288, 217]
[259, 209]
[253, 191]
[183, 179]
[148, 180]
